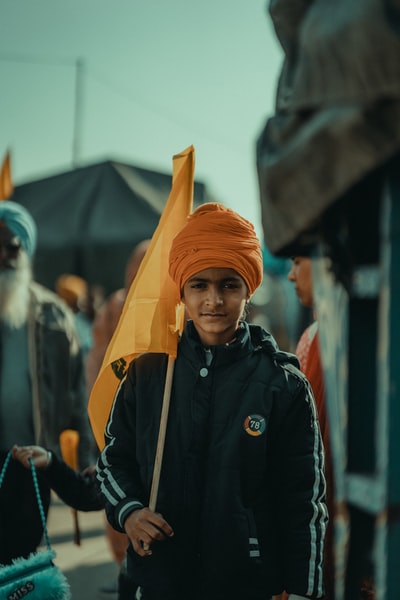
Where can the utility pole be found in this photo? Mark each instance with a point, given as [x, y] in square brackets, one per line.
[76, 142]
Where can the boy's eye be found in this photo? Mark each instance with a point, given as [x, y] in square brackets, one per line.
[230, 286]
[198, 285]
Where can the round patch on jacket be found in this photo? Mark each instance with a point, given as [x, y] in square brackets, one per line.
[254, 425]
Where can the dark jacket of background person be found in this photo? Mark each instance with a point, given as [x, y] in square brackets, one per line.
[57, 374]
[242, 479]
[74, 488]
[58, 402]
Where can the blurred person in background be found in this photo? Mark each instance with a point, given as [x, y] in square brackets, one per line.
[104, 325]
[74, 290]
[309, 355]
[275, 305]
[108, 314]
[42, 383]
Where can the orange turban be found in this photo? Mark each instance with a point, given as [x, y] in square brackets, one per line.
[71, 288]
[216, 236]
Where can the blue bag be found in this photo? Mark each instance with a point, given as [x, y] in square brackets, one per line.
[35, 577]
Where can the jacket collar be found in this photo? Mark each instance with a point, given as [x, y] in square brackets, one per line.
[249, 339]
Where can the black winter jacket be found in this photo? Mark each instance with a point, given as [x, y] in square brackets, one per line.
[242, 481]
[59, 399]
[73, 487]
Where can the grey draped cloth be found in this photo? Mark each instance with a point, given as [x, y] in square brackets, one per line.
[337, 110]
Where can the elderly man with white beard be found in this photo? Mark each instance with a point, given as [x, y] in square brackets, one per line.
[42, 385]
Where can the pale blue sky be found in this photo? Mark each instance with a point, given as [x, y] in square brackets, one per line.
[158, 76]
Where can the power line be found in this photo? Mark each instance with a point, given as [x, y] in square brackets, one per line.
[24, 58]
[148, 104]
[121, 90]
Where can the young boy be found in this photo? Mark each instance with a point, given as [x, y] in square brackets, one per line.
[241, 511]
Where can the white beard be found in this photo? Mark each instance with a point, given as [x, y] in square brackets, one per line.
[14, 292]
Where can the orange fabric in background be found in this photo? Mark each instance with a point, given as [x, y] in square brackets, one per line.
[69, 442]
[308, 353]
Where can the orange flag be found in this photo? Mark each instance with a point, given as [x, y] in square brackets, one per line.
[153, 315]
[6, 184]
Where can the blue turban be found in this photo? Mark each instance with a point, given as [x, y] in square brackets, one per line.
[20, 222]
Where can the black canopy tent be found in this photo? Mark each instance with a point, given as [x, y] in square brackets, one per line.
[90, 218]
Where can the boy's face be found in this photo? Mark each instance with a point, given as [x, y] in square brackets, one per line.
[215, 300]
[301, 275]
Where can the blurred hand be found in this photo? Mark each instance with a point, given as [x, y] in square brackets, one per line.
[90, 471]
[40, 456]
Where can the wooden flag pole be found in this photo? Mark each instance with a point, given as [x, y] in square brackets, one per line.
[161, 437]
[161, 433]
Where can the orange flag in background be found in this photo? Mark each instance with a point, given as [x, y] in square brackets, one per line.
[6, 184]
[69, 442]
[153, 315]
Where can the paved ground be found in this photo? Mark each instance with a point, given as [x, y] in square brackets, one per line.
[88, 566]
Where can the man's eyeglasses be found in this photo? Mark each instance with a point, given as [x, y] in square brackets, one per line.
[11, 247]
